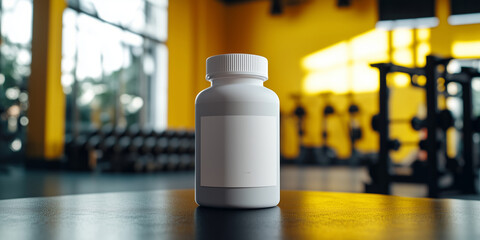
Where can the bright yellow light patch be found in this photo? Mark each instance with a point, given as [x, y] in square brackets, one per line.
[327, 58]
[345, 66]
[334, 80]
[365, 78]
[402, 37]
[400, 79]
[403, 57]
[468, 49]
[423, 34]
[315, 83]
[371, 46]
[423, 49]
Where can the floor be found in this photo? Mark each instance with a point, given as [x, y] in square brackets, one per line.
[16, 182]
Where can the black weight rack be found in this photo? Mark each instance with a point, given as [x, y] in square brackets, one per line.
[465, 175]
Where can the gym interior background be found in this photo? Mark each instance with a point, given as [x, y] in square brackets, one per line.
[98, 96]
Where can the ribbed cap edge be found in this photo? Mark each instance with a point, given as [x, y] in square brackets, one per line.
[237, 64]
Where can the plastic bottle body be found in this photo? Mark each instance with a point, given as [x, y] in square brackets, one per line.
[237, 144]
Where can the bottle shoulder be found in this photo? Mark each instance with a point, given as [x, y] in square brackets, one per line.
[237, 93]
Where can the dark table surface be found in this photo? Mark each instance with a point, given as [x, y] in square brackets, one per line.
[300, 215]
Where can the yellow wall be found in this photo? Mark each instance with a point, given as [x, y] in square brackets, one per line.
[285, 40]
[202, 28]
[445, 35]
[195, 32]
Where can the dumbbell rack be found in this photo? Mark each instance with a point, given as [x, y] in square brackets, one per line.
[130, 150]
[328, 154]
[465, 177]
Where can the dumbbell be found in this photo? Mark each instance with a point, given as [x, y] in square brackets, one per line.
[375, 121]
[185, 161]
[395, 144]
[147, 153]
[120, 153]
[161, 162]
[133, 131]
[145, 160]
[107, 130]
[160, 153]
[94, 154]
[191, 152]
[79, 144]
[328, 110]
[176, 133]
[108, 154]
[135, 161]
[94, 142]
[148, 132]
[184, 145]
[132, 161]
[159, 150]
[300, 113]
[92, 131]
[445, 120]
[422, 144]
[169, 134]
[444, 117]
[173, 145]
[192, 162]
[136, 144]
[120, 132]
[417, 123]
[191, 146]
[123, 144]
[161, 146]
[181, 134]
[353, 109]
[148, 146]
[173, 162]
[191, 135]
[184, 151]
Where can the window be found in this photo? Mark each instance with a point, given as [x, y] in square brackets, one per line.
[114, 63]
[15, 58]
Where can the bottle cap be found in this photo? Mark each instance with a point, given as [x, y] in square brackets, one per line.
[237, 64]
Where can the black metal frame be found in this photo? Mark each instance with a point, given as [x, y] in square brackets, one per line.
[465, 178]
[431, 89]
[383, 166]
[469, 174]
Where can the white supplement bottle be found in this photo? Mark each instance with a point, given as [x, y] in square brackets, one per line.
[237, 135]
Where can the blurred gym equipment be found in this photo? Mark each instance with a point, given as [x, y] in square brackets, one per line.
[327, 153]
[462, 170]
[131, 149]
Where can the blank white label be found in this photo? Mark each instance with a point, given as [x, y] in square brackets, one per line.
[239, 151]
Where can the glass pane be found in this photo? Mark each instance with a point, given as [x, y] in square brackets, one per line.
[110, 75]
[147, 17]
[15, 59]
